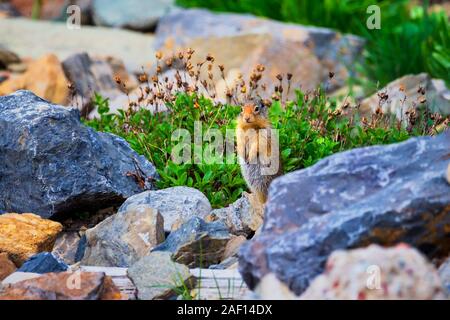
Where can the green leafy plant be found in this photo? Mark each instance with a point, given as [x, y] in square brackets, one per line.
[310, 127]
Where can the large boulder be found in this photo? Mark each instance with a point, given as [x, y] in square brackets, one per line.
[177, 204]
[50, 163]
[133, 14]
[24, 235]
[197, 243]
[242, 41]
[376, 273]
[124, 238]
[380, 194]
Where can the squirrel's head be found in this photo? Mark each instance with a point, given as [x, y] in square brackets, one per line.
[254, 115]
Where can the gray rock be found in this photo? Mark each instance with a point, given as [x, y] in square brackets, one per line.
[89, 76]
[132, 14]
[444, 274]
[156, 276]
[183, 25]
[44, 262]
[404, 94]
[124, 238]
[50, 163]
[238, 216]
[176, 205]
[197, 243]
[380, 194]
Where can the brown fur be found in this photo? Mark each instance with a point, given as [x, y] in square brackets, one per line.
[254, 117]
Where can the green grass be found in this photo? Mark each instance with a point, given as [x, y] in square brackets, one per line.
[410, 40]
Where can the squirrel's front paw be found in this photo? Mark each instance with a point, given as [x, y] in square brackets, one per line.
[252, 156]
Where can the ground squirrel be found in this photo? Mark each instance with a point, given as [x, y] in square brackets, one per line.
[258, 156]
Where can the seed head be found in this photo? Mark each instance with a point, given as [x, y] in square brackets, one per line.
[143, 77]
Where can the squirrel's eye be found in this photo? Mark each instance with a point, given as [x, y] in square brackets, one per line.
[256, 108]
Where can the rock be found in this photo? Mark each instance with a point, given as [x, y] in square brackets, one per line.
[79, 254]
[6, 266]
[380, 194]
[7, 57]
[66, 247]
[242, 41]
[444, 274]
[230, 254]
[134, 48]
[232, 247]
[405, 93]
[197, 243]
[18, 277]
[63, 286]
[122, 239]
[228, 263]
[376, 273]
[129, 81]
[239, 217]
[89, 76]
[156, 276]
[23, 235]
[177, 204]
[133, 14]
[45, 77]
[67, 166]
[44, 262]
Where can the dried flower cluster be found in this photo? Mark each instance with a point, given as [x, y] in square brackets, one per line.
[179, 74]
